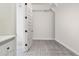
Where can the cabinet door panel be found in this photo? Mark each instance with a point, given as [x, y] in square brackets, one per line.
[7, 48]
[4, 50]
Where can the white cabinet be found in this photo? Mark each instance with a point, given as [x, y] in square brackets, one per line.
[28, 26]
[8, 48]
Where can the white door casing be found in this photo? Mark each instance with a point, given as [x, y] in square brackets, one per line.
[23, 37]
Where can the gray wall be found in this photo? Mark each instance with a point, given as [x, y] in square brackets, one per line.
[67, 26]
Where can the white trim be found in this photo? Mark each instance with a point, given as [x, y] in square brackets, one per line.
[20, 28]
[65, 45]
[43, 38]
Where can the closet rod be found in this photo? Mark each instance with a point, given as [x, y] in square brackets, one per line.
[51, 9]
[40, 10]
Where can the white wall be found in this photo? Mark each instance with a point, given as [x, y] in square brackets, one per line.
[43, 23]
[40, 6]
[67, 26]
[7, 18]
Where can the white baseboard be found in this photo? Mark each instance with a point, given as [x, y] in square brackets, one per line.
[68, 47]
[43, 38]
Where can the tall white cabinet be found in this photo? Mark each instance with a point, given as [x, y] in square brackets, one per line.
[28, 26]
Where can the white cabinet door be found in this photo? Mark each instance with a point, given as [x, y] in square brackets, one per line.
[12, 47]
[12, 53]
[3, 50]
[8, 48]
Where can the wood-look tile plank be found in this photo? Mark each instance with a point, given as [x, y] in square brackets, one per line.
[48, 48]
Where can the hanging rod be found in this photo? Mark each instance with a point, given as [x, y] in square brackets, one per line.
[51, 9]
[40, 10]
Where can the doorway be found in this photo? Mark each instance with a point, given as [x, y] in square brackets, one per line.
[43, 39]
[43, 44]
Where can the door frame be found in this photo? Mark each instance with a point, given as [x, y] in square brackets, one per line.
[20, 7]
[20, 29]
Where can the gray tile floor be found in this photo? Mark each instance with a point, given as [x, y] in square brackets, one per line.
[48, 48]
